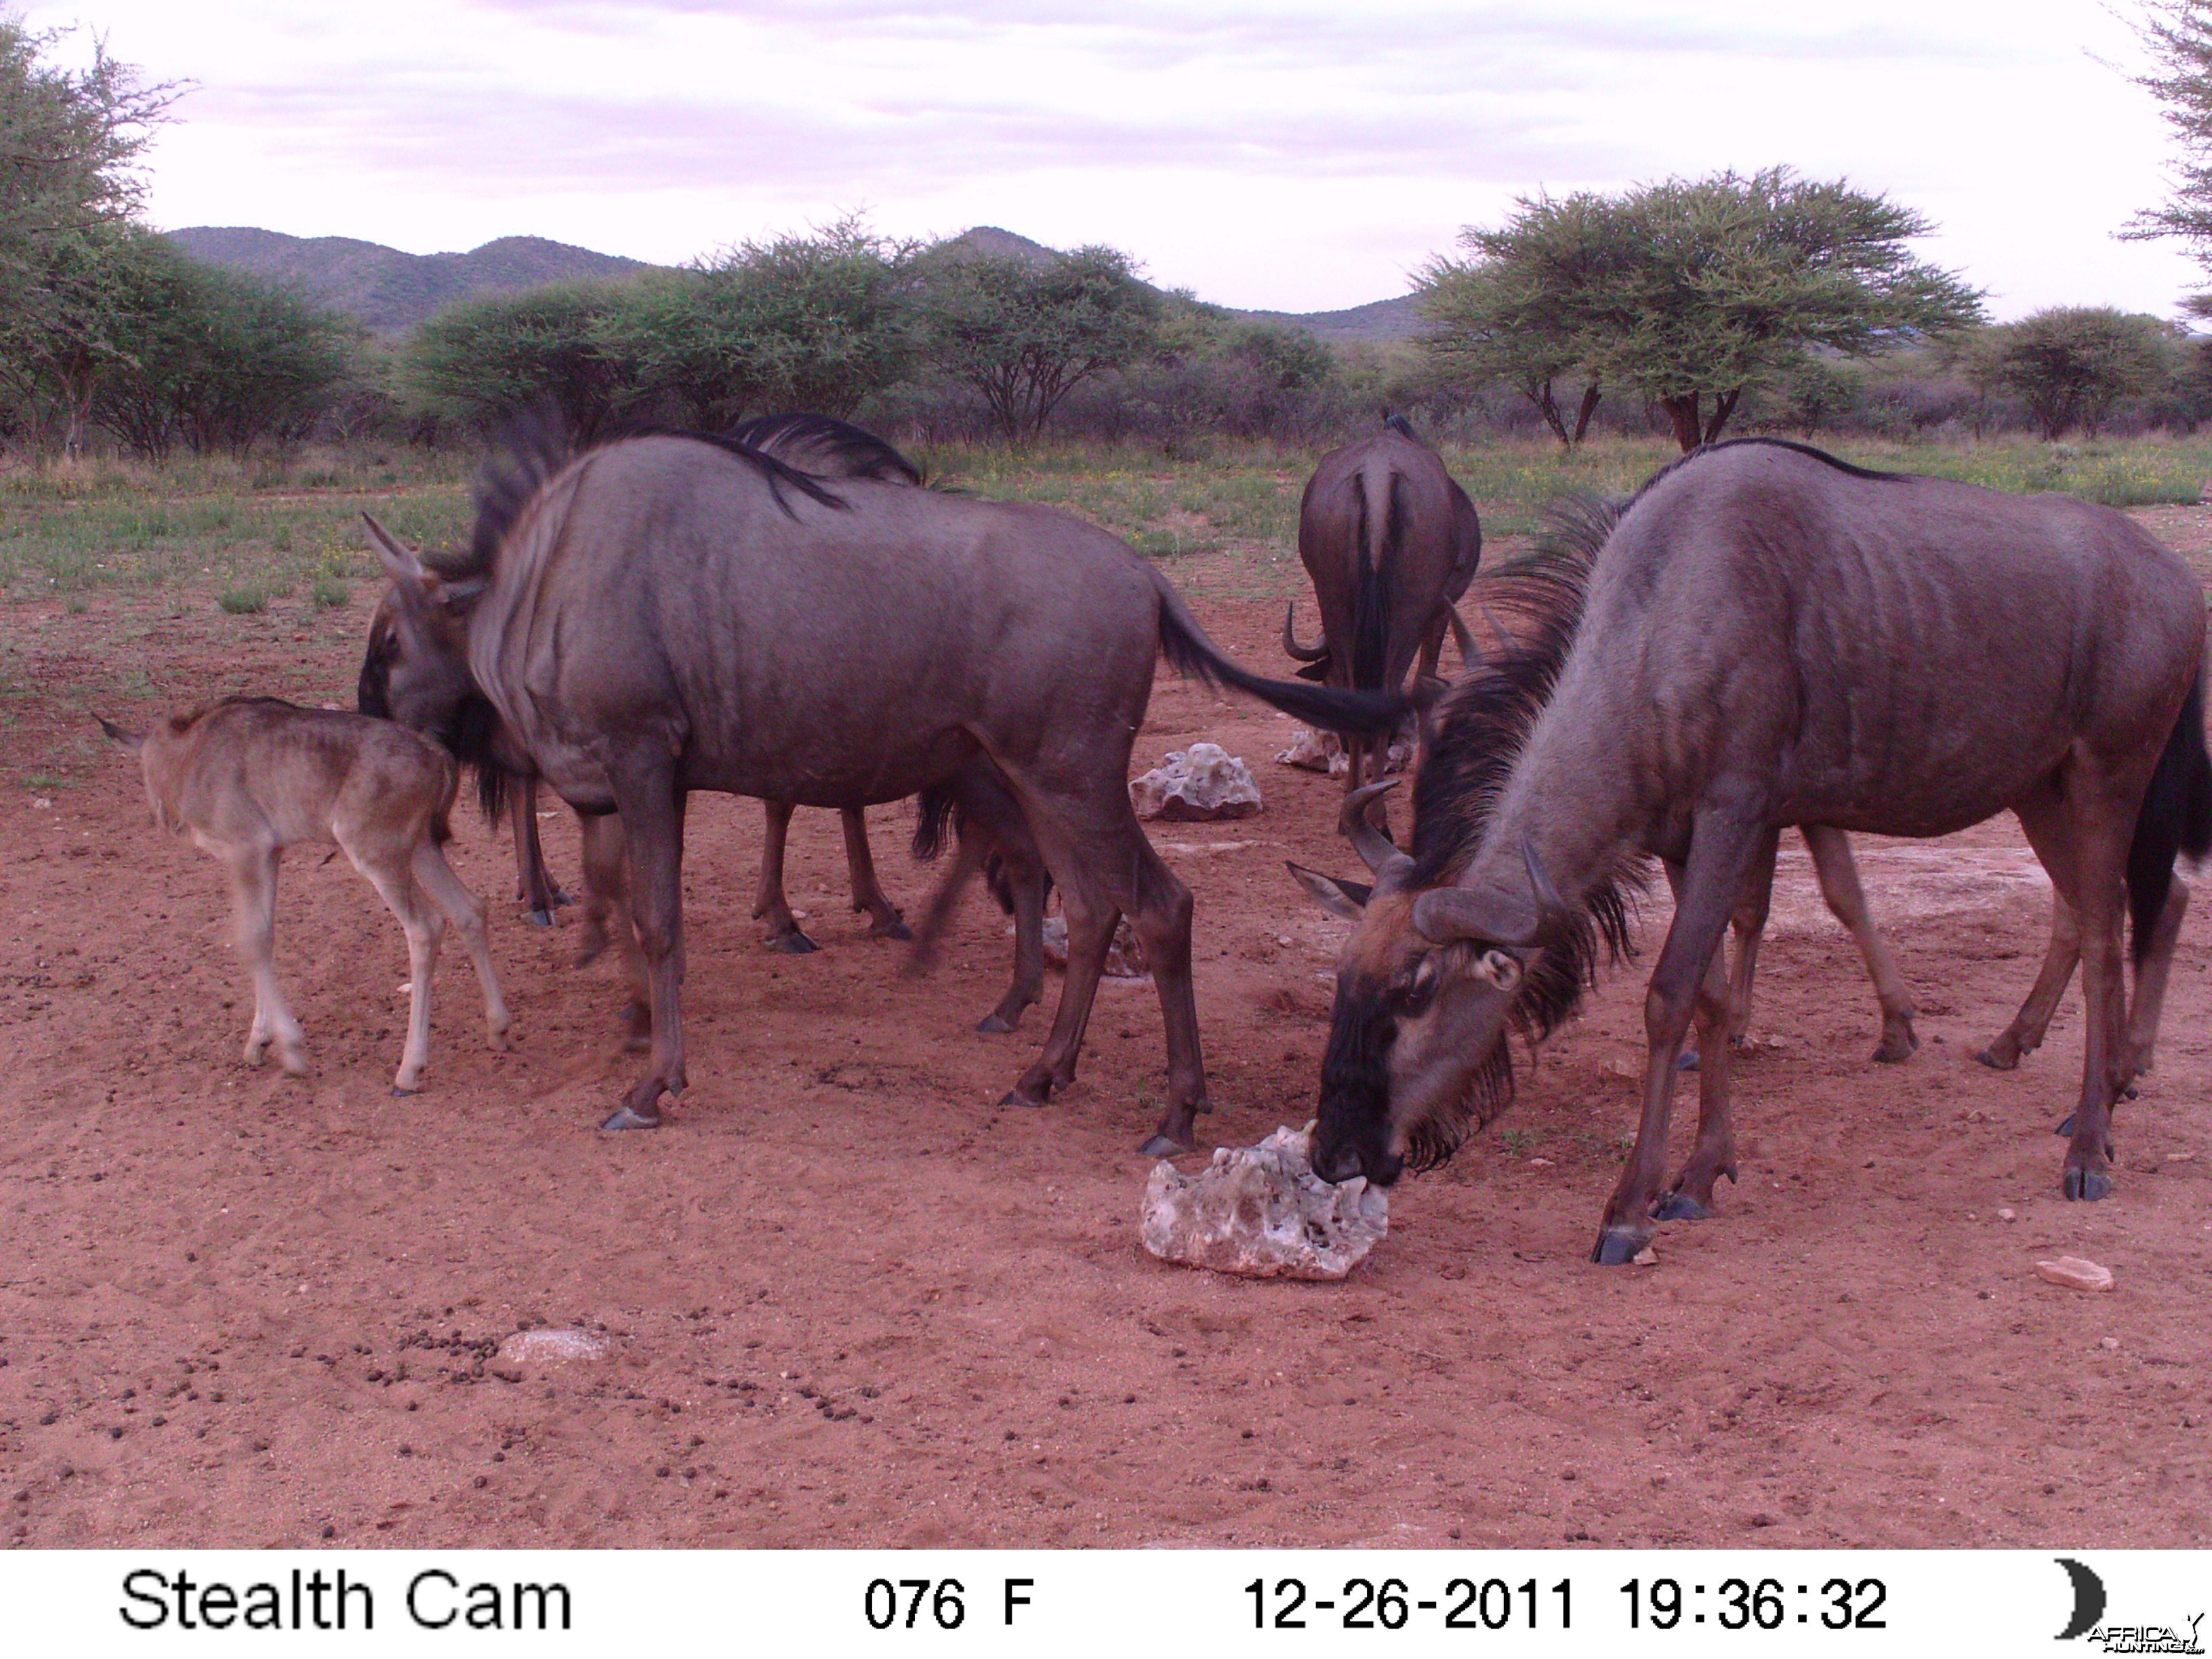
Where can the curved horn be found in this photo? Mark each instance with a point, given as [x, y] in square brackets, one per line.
[1505, 640]
[1551, 911]
[1303, 652]
[1375, 849]
[1470, 654]
[1443, 915]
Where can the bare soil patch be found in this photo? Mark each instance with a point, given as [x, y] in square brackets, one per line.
[847, 1299]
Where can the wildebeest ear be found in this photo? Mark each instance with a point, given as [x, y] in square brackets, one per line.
[132, 740]
[1339, 898]
[399, 560]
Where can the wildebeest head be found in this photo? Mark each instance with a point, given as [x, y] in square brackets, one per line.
[1426, 986]
[1464, 940]
[416, 668]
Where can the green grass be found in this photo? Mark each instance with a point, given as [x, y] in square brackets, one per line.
[243, 601]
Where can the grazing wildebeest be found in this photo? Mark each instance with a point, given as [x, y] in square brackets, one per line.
[1390, 543]
[816, 443]
[1771, 636]
[675, 612]
[251, 776]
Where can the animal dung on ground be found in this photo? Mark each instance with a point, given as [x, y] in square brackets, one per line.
[1202, 783]
[543, 1347]
[1125, 956]
[1261, 1212]
[2076, 1272]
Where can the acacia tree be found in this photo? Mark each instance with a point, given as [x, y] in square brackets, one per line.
[68, 143]
[2178, 34]
[816, 322]
[1024, 335]
[1693, 292]
[1506, 313]
[484, 358]
[2071, 363]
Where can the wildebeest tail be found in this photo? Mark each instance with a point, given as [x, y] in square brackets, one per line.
[2176, 817]
[1377, 577]
[934, 808]
[1188, 651]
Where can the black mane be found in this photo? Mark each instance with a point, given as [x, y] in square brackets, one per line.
[530, 451]
[1473, 739]
[849, 452]
[1790, 444]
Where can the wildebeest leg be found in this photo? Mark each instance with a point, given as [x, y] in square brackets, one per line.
[2025, 1035]
[868, 891]
[651, 807]
[533, 883]
[2085, 824]
[1091, 922]
[1749, 925]
[603, 896]
[784, 933]
[253, 900]
[1722, 850]
[1839, 885]
[1690, 1198]
[434, 876]
[394, 880]
[1025, 883]
[2150, 981]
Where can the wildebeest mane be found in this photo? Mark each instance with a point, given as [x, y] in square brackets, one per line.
[529, 450]
[1473, 739]
[1791, 444]
[854, 452]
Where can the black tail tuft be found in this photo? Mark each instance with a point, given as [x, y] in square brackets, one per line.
[1188, 650]
[2176, 817]
[934, 807]
[1401, 426]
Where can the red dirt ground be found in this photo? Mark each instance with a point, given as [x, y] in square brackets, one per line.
[852, 1301]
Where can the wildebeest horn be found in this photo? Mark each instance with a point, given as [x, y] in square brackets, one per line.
[1504, 638]
[1470, 654]
[1303, 652]
[399, 560]
[1551, 911]
[1445, 914]
[1375, 849]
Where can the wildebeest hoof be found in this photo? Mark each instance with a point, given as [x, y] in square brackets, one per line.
[1998, 1059]
[541, 918]
[398, 1093]
[1161, 1147]
[1680, 1206]
[996, 1024]
[894, 928]
[624, 1118]
[1618, 1246]
[793, 944]
[1687, 1060]
[1014, 1097]
[2087, 1185]
[2065, 1125]
[1894, 1054]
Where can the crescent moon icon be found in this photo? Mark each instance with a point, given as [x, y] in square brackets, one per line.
[2088, 1599]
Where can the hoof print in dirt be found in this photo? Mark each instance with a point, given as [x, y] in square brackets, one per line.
[1261, 1212]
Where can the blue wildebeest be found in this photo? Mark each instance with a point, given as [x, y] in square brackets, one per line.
[1390, 542]
[676, 612]
[1770, 636]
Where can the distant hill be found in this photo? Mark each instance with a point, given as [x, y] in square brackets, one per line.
[386, 289]
[391, 291]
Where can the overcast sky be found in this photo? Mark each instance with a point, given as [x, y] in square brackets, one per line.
[1300, 156]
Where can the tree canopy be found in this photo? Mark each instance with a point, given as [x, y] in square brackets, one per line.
[2071, 363]
[1688, 293]
[2178, 34]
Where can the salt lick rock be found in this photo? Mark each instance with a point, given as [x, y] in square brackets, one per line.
[1261, 1212]
[541, 1347]
[1203, 781]
[1125, 956]
[1323, 752]
[2076, 1273]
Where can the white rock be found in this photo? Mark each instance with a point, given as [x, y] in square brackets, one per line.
[1323, 752]
[542, 1347]
[1205, 782]
[1125, 957]
[1646, 1257]
[1261, 1212]
[2076, 1272]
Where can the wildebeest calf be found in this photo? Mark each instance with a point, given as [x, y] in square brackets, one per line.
[250, 776]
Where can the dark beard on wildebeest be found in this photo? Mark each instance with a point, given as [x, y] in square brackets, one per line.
[1474, 739]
